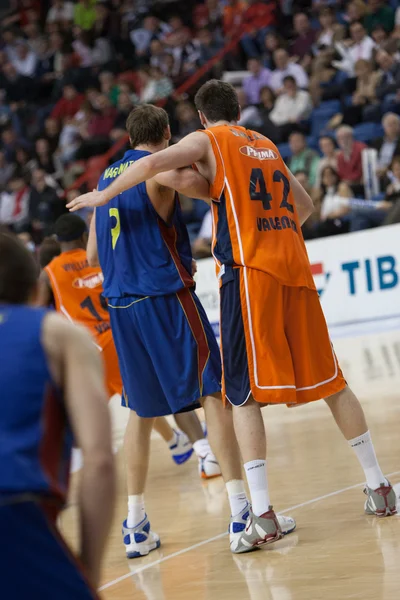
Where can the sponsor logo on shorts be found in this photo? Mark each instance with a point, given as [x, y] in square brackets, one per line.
[89, 281]
[259, 153]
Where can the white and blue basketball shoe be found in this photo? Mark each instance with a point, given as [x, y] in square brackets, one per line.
[181, 449]
[139, 540]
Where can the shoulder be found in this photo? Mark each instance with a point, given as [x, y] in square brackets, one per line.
[57, 332]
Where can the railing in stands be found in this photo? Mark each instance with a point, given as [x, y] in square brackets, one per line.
[103, 160]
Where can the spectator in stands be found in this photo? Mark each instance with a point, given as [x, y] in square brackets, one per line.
[209, 15]
[202, 244]
[389, 146]
[303, 158]
[24, 163]
[387, 89]
[156, 85]
[292, 106]
[11, 142]
[272, 42]
[52, 133]
[187, 119]
[210, 45]
[379, 13]
[69, 103]
[284, 68]
[363, 100]
[305, 36]
[380, 36]
[249, 113]
[356, 11]
[14, 204]
[330, 31]
[232, 18]
[16, 86]
[259, 78]
[85, 14]
[332, 204]
[349, 159]
[329, 158]
[151, 29]
[45, 160]
[396, 32]
[392, 193]
[61, 13]
[124, 107]
[6, 171]
[256, 20]
[267, 103]
[44, 206]
[96, 131]
[34, 37]
[362, 47]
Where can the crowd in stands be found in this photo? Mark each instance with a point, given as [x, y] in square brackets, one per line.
[321, 78]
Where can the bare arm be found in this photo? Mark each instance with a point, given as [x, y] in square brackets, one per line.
[186, 181]
[191, 149]
[304, 204]
[77, 366]
[91, 249]
[45, 293]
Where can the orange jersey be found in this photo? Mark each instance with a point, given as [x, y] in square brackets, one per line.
[77, 290]
[256, 224]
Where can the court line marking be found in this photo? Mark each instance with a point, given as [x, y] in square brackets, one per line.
[221, 535]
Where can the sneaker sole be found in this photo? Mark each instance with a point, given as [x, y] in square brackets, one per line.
[389, 512]
[204, 476]
[180, 459]
[143, 551]
[264, 542]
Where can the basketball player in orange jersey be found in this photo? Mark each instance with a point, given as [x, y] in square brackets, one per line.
[74, 286]
[275, 343]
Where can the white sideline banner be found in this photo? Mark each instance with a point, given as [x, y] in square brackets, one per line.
[357, 276]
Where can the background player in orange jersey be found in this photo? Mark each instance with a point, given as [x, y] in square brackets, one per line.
[275, 342]
[75, 288]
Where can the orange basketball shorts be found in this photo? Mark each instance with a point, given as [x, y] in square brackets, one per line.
[113, 378]
[275, 342]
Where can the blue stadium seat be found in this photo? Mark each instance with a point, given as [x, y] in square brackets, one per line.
[331, 106]
[367, 132]
[312, 142]
[284, 150]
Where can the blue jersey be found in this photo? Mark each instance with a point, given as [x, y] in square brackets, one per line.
[35, 440]
[139, 253]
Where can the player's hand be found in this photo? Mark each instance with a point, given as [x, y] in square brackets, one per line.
[194, 267]
[90, 200]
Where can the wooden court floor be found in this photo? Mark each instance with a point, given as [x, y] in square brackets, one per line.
[336, 552]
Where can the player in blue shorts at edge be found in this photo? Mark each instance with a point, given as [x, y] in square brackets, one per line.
[168, 354]
[51, 391]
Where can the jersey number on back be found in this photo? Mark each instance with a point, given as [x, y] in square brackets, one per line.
[258, 189]
[116, 230]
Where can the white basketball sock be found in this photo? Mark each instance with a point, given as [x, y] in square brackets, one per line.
[236, 495]
[365, 452]
[136, 510]
[202, 447]
[256, 473]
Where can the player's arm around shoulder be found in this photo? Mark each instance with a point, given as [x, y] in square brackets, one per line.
[77, 368]
[91, 249]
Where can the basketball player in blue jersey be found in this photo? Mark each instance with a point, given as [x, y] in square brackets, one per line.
[51, 391]
[168, 354]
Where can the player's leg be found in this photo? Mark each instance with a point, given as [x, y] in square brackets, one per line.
[189, 423]
[349, 416]
[178, 442]
[141, 386]
[318, 375]
[248, 421]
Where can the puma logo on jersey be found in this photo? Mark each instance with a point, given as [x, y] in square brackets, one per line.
[259, 153]
[89, 281]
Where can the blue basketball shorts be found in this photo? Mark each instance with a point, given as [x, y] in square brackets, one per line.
[167, 352]
[35, 562]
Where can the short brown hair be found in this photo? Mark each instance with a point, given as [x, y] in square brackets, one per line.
[218, 101]
[18, 270]
[146, 124]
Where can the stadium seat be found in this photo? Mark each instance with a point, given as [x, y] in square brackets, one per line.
[331, 106]
[367, 132]
[285, 151]
[312, 142]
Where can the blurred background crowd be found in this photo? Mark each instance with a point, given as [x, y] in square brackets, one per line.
[321, 78]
